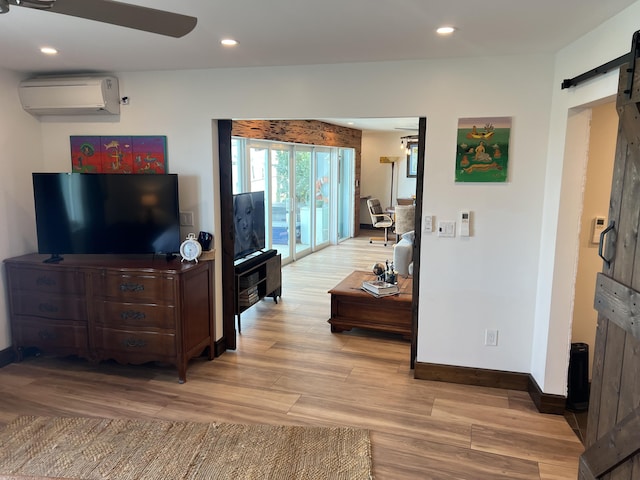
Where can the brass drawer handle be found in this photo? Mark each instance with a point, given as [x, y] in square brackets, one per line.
[132, 314]
[131, 287]
[135, 343]
[48, 308]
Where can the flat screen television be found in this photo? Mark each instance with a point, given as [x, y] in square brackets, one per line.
[248, 220]
[94, 213]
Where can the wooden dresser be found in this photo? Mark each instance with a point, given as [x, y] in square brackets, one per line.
[132, 309]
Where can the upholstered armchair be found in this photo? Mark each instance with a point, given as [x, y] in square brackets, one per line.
[405, 220]
[403, 254]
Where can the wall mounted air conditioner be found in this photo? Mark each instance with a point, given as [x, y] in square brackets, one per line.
[85, 95]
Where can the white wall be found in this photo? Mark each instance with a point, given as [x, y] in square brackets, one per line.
[486, 281]
[21, 147]
[375, 177]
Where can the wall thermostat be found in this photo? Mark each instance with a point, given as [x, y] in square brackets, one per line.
[465, 219]
[599, 224]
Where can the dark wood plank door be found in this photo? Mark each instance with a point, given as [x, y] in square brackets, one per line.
[613, 431]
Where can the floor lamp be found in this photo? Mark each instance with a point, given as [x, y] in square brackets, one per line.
[392, 161]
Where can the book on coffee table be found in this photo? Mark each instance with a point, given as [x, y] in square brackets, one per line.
[380, 288]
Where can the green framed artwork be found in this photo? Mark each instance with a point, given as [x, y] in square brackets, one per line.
[482, 151]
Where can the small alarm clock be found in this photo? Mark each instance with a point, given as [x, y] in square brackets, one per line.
[190, 249]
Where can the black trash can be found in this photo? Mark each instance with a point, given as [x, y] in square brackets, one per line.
[578, 378]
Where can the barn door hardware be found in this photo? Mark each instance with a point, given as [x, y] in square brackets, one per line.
[615, 63]
[601, 244]
[631, 69]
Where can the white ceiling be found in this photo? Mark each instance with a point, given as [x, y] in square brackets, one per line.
[299, 32]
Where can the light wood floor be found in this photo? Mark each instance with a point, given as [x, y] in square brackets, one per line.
[290, 369]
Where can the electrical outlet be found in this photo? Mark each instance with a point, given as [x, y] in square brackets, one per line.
[491, 338]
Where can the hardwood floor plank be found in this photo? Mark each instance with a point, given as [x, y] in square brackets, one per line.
[440, 460]
[378, 418]
[373, 396]
[263, 399]
[557, 472]
[504, 418]
[525, 445]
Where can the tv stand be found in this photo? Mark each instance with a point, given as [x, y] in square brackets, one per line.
[257, 277]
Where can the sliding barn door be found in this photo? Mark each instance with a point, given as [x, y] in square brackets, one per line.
[613, 430]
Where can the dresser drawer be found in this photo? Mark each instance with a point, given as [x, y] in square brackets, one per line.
[49, 336]
[134, 288]
[121, 315]
[50, 306]
[135, 342]
[48, 280]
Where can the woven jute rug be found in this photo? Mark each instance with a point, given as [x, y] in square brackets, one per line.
[120, 449]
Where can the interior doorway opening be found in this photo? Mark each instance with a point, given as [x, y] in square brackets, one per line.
[226, 130]
[600, 122]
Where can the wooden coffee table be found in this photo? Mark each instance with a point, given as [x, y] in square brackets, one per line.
[353, 307]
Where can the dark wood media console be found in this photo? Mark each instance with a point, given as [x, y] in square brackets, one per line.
[255, 278]
[132, 309]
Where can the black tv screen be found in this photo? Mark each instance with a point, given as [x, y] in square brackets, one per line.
[248, 220]
[82, 213]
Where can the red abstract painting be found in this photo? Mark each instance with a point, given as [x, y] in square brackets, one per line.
[119, 154]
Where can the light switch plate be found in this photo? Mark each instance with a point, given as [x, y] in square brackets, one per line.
[428, 224]
[447, 228]
[186, 219]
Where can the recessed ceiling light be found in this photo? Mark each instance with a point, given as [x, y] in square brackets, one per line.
[49, 50]
[228, 42]
[445, 30]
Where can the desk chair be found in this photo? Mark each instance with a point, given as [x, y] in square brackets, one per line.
[379, 219]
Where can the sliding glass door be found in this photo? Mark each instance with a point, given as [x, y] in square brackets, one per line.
[303, 181]
[345, 196]
[323, 194]
[308, 192]
[282, 225]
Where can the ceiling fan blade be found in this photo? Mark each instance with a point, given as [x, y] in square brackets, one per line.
[125, 15]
